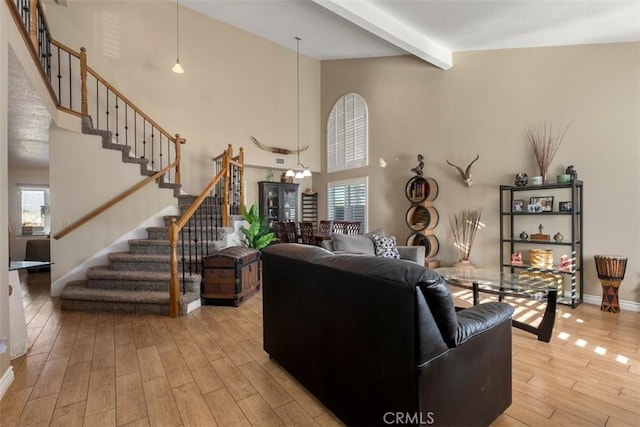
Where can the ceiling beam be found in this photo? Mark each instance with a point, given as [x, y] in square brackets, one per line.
[389, 28]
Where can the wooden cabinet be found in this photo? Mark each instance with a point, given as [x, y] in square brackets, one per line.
[310, 209]
[541, 234]
[278, 201]
[231, 276]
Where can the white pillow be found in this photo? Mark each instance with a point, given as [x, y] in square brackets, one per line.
[385, 247]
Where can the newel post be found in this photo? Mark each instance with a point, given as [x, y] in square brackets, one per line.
[241, 161]
[226, 164]
[178, 142]
[83, 82]
[174, 283]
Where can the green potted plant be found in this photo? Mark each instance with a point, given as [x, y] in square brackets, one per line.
[258, 235]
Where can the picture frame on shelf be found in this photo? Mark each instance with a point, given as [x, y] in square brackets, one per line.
[565, 206]
[534, 207]
[545, 202]
[518, 206]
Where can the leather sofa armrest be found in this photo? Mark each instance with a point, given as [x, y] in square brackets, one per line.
[412, 253]
[479, 318]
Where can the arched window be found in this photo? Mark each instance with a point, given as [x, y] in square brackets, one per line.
[347, 134]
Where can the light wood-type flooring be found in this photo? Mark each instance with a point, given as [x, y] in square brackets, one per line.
[208, 368]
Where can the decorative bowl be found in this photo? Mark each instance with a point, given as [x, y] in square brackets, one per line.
[564, 178]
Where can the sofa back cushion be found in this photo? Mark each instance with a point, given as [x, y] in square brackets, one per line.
[360, 244]
[402, 273]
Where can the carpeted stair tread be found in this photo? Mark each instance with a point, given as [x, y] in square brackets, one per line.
[126, 261]
[78, 296]
[128, 256]
[105, 273]
[78, 290]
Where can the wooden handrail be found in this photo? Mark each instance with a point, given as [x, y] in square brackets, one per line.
[105, 206]
[66, 48]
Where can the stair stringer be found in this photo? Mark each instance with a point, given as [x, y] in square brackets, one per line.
[107, 143]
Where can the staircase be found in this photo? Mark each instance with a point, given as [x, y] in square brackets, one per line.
[137, 281]
[160, 274]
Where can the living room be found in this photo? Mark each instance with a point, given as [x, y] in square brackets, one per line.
[237, 85]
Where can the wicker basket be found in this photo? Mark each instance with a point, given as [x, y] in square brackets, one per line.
[542, 258]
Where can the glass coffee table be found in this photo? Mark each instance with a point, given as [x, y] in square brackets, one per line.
[524, 284]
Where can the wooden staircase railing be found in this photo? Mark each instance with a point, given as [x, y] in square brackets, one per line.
[64, 70]
[227, 181]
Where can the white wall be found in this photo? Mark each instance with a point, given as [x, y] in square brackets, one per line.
[235, 84]
[5, 367]
[482, 105]
[82, 176]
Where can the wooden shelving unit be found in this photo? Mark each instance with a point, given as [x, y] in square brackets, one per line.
[309, 209]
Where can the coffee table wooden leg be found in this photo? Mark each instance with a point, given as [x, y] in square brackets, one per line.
[548, 319]
[476, 293]
[545, 329]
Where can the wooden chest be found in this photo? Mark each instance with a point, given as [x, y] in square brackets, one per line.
[231, 276]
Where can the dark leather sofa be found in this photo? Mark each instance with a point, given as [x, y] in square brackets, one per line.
[379, 341]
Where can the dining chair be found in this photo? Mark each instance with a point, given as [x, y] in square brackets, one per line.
[292, 233]
[324, 228]
[339, 227]
[279, 231]
[307, 235]
[352, 228]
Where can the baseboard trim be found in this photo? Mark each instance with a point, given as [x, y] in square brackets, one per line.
[624, 305]
[193, 305]
[6, 381]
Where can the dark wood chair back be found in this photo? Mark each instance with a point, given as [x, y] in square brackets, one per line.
[324, 228]
[292, 233]
[280, 232]
[352, 228]
[339, 227]
[346, 227]
[307, 235]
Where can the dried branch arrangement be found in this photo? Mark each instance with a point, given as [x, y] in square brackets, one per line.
[545, 144]
[464, 226]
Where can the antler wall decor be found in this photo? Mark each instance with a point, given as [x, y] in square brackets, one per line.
[278, 150]
[466, 174]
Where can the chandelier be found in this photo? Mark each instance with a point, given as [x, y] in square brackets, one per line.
[299, 171]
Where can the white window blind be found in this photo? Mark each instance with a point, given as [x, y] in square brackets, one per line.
[34, 210]
[347, 201]
[347, 134]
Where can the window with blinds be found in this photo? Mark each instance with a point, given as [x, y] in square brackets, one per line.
[34, 210]
[347, 201]
[347, 134]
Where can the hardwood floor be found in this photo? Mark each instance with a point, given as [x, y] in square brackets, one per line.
[208, 368]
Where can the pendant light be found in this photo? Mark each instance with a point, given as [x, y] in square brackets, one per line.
[177, 68]
[299, 171]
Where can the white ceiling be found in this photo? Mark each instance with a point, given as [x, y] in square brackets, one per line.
[399, 26]
[332, 29]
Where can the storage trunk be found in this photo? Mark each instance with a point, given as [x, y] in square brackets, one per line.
[231, 276]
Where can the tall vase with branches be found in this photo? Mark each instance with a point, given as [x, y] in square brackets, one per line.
[545, 144]
[465, 225]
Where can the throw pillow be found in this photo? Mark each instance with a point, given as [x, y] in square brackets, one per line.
[386, 247]
[352, 244]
